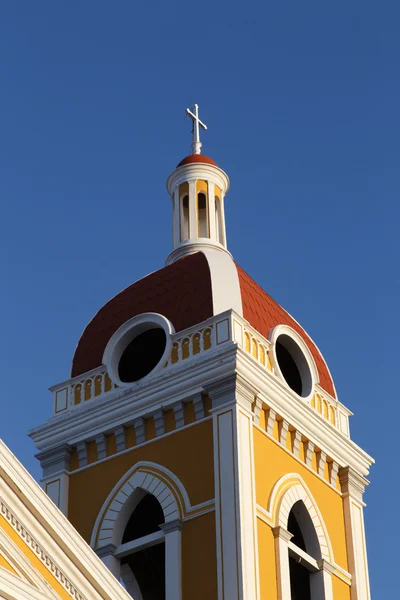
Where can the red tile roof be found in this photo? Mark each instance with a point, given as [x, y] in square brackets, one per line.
[197, 158]
[181, 292]
[263, 313]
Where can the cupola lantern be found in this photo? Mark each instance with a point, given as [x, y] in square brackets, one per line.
[197, 188]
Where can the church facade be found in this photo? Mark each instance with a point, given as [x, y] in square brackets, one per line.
[199, 446]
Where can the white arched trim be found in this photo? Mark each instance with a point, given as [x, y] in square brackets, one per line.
[148, 477]
[286, 492]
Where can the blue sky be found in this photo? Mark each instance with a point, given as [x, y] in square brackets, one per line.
[302, 104]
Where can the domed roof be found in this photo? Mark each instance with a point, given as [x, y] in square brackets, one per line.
[197, 158]
[183, 292]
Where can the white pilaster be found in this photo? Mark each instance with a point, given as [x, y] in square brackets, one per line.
[176, 216]
[282, 537]
[353, 486]
[235, 489]
[173, 559]
[211, 210]
[192, 210]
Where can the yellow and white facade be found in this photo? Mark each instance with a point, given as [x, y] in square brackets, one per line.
[200, 449]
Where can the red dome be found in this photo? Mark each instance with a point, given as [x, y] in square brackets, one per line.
[263, 313]
[183, 293]
[197, 158]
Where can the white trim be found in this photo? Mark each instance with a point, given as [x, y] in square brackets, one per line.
[124, 406]
[301, 355]
[15, 588]
[121, 501]
[147, 541]
[128, 332]
[280, 505]
[56, 542]
[22, 565]
[225, 284]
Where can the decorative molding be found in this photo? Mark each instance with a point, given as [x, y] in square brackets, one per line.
[352, 483]
[179, 414]
[51, 536]
[282, 533]
[159, 422]
[198, 404]
[204, 371]
[82, 453]
[139, 427]
[39, 551]
[148, 477]
[288, 490]
[169, 526]
[120, 438]
[101, 447]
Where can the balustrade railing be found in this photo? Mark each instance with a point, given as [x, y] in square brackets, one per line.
[191, 344]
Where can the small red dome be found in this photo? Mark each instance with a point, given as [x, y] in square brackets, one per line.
[197, 158]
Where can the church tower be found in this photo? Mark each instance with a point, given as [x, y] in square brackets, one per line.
[199, 445]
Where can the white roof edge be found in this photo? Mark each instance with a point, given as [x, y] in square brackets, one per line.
[56, 534]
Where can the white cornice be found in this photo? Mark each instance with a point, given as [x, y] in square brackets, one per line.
[125, 405]
[292, 408]
[38, 521]
[191, 377]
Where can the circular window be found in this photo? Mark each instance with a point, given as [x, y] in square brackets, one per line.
[138, 348]
[142, 355]
[293, 365]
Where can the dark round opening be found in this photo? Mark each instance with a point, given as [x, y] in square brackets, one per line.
[141, 355]
[288, 368]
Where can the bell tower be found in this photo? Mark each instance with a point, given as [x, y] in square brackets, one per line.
[199, 445]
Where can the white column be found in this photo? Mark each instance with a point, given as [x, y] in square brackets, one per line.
[237, 551]
[282, 537]
[176, 216]
[211, 211]
[353, 486]
[192, 211]
[173, 559]
[223, 241]
[323, 585]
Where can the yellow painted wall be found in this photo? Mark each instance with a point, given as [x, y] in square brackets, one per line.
[34, 560]
[272, 462]
[188, 453]
[267, 563]
[341, 591]
[199, 558]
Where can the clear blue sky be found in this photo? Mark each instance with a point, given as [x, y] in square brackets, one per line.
[302, 104]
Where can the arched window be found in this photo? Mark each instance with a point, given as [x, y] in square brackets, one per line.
[218, 221]
[202, 224]
[142, 552]
[306, 578]
[184, 220]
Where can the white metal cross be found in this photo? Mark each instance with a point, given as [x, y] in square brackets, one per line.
[196, 144]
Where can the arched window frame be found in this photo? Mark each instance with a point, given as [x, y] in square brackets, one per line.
[119, 506]
[287, 491]
[184, 221]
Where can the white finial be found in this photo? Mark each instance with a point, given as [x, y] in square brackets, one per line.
[196, 144]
